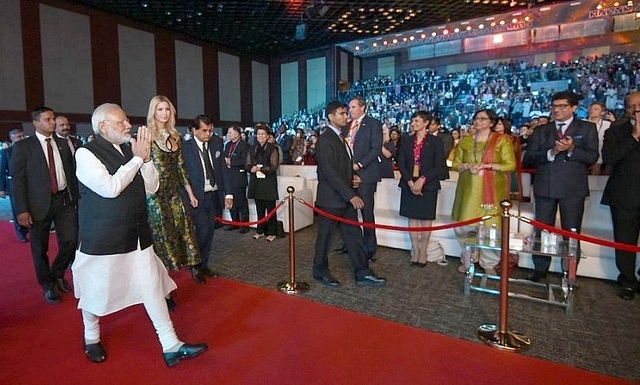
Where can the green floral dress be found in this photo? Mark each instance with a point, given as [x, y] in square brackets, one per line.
[174, 238]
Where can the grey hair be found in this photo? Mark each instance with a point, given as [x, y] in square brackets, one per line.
[100, 115]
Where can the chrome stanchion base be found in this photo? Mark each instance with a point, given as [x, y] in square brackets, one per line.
[511, 341]
[289, 287]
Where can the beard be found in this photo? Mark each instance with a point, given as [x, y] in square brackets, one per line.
[115, 137]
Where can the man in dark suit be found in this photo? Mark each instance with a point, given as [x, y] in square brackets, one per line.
[15, 135]
[235, 157]
[203, 158]
[45, 190]
[364, 136]
[436, 129]
[63, 131]
[285, 142]
[337, 185]
[563, 150]
[621, 151]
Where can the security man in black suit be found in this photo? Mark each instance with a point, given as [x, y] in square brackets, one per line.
[15, 135]
[63, 131]
[364, 136]
[563, 150]
[45, 190]
[337, 185]
[204, 160]
[621, 151]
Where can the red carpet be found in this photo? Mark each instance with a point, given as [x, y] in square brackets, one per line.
[255, 336]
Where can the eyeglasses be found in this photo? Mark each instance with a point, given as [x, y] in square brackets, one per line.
[118, 122]
[560, 106]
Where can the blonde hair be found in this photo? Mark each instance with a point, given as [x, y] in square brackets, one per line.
[170, 126]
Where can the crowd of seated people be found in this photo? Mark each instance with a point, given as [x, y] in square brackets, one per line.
[504, 87]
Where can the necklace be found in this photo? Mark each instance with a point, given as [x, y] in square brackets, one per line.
[475, 147]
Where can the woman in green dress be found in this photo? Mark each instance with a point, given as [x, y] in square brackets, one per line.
[484, 161]
[174, 238]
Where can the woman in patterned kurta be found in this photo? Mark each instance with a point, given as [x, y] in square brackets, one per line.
[174, 238]
[484, 161]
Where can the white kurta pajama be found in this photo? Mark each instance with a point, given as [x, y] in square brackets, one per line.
[105, 284]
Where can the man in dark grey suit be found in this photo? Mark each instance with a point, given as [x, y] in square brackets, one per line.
[15, 135]
[204, 160]
[364, 136]
[621, 151]
[63, 131]
[45, 190]
[337, 185]
[435, 128]
[563, 150]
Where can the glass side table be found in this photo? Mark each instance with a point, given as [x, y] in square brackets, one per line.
[560, 295]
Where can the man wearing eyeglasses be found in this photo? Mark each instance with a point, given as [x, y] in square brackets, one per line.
[563, 150]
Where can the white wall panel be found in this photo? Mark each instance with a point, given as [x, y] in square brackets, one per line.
[316, 83]
[66, 60]
[12, 91]
[289, 87]
[189, 80]
[260, 91]
[137, 70]
[229, 87]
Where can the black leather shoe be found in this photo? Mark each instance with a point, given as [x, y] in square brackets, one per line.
[372, 257]
[421, 264]
[230, 228]
[244, 230]
[625, 293]
[94, 352]
[51, 296]
[171, 304]
[341, 250]
[209, 273]
[198, 276]
[370, 280]
[62, 285]
[327, 280]
[186, 351]
[536, 276]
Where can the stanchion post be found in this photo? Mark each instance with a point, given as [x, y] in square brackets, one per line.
[499, 336]
[291, 286]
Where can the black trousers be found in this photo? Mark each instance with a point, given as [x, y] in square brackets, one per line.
[352, 236]
[264, 207]
[204, 221]
[626, 227]
[571, 212]
[64, 215]
[366, 191]
[240, 210]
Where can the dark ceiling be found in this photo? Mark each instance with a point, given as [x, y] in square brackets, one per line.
[267, 28]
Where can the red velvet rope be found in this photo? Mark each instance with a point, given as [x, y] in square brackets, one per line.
[586, 238]
[247, 224]
[390, 227]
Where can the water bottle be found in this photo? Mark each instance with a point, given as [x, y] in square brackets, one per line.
[482, 231]
[493, 232]
[573, 244]
[545, 238]
[553, 239]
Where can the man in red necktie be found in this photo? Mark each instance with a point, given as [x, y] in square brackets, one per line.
[38, 161]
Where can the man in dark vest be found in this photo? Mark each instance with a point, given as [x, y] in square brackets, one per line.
[115, 265]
